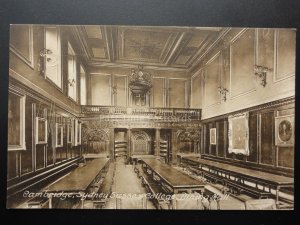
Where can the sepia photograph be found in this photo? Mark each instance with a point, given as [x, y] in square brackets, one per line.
[110, 117]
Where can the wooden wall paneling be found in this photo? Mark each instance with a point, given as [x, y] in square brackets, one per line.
[220, 138]
[253, 138]
[267, 140]
[27, 156]
[207, 145]
[33, 136]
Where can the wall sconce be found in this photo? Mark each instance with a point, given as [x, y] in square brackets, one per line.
[71, 82]
[223, 91]
[261, 72]
[44, 55]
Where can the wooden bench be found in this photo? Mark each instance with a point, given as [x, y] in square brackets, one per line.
[152, 187]
[38, 203]
[105, 187]
[242, 188]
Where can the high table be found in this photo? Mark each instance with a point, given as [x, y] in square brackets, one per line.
[176, 180]
[251, 175]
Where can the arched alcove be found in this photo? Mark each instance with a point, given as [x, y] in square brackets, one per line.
[141, 143]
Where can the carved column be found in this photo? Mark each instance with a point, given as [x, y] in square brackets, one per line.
[157, 141]
[112, 144]
[173, 146]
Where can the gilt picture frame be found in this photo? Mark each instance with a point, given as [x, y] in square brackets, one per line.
[284, 131]
[59, 135]
[213, 136]
[238, 134]
[40, 130]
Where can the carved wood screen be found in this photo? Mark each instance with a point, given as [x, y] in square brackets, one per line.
[141, 143]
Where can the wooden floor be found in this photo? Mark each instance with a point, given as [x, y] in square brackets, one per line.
[126, 181]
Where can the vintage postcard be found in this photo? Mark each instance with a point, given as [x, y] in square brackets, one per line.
[151, 117]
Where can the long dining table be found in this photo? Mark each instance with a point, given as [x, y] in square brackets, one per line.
[79, 180]
[276, 181]
[176, 180]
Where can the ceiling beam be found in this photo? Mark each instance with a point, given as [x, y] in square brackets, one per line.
[77, 33]
[109, 43]
[175, 48]
[208, 48]
[134, 65]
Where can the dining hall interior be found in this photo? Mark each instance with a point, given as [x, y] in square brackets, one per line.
[151, 117]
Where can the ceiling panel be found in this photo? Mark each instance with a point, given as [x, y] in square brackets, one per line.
[168, 47]
[139, 44]
[93, 32]
[99, 52]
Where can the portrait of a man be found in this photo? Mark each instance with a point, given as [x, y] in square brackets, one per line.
[284, 130]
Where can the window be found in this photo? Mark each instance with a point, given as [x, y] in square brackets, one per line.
[16, 121]
[72, 73]
[82, 86]
[53, 57]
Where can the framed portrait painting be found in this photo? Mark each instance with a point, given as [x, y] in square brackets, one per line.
[213, 136]
[41, 131]
[238, 134]
[284, 131]
[59, 135]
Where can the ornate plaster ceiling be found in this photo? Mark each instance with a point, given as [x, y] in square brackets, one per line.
[176, 48]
